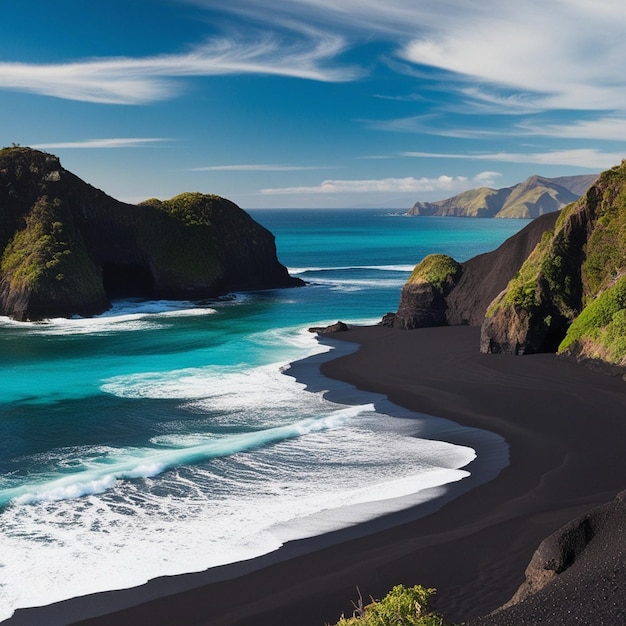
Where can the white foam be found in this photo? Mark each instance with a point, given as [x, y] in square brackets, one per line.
[326, 476]
[101, 475]
[383, 268]
[358, 284]
[124, 315]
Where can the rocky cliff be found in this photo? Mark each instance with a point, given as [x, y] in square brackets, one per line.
[68, 248]
[570, 294]
[559, 285]
[534, 197]
[443, 292]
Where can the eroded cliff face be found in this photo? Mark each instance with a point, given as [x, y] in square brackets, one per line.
[68, 248]
[570, 294]
[559, 285]
[463, 298]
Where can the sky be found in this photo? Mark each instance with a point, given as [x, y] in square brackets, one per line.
[315, 103]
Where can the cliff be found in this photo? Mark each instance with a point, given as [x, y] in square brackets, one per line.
[461, 293]
[67, 248]
[570, 294]
[534, 197]
[559, 285]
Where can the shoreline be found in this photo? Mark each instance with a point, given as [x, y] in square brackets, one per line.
[473, 548]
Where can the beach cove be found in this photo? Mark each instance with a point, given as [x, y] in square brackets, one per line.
[163, 421]
[564, 425]
[398, 456]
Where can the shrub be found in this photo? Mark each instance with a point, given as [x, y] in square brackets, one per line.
[402, 606]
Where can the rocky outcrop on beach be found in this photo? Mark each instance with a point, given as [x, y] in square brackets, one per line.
[464, 295]
[423, 299]
[67, 248]
[570, 294]
[576, 576]
[534, 197]
[337, 327]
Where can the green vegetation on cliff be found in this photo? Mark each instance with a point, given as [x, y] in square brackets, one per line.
[66, 248]
[601, 327]
[191, 208]
[184, 253]
[570, 291]
[606, 247]
[437, 269]
[48, 256]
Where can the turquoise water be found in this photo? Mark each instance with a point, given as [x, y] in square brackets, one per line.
[124, 438]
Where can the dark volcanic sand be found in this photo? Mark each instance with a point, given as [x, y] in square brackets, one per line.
[566, 428]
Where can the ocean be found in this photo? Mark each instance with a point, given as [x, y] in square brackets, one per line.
[168, 437]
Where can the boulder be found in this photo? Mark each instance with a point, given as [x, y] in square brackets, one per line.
[577, 575]
[337, 327]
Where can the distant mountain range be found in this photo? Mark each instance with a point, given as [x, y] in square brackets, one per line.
[534, 197]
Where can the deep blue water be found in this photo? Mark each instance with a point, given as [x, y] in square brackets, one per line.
[124, 438]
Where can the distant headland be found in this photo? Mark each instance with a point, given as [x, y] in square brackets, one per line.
[535, 196]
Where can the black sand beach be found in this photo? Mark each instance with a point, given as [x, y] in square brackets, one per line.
[565, 427]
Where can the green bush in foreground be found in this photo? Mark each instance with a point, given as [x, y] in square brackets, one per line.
[402, 606]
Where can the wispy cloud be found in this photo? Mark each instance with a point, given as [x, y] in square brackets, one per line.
[500, 56]
[122, 142]
[565, 54]
[534, 48]
[583, 157]
[258, 167]
[437, 124]
[143, 80]
[408, 184]
[606, 128]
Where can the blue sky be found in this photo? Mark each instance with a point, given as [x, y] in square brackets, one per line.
[315, 103]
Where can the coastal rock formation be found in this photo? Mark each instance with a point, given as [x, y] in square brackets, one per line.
[68, 248]
[559, 285]
[570, 294]
[576, 575]
[337, 327]
[423, 298]
[534, 197]
[463, 297]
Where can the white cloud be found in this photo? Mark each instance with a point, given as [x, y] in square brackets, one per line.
[143, 80]
[584, 157]
[568, 54]
[435, 124]
[123, 142]
[387, 185]
[487, 179]
[563, 54]
[606, 128]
